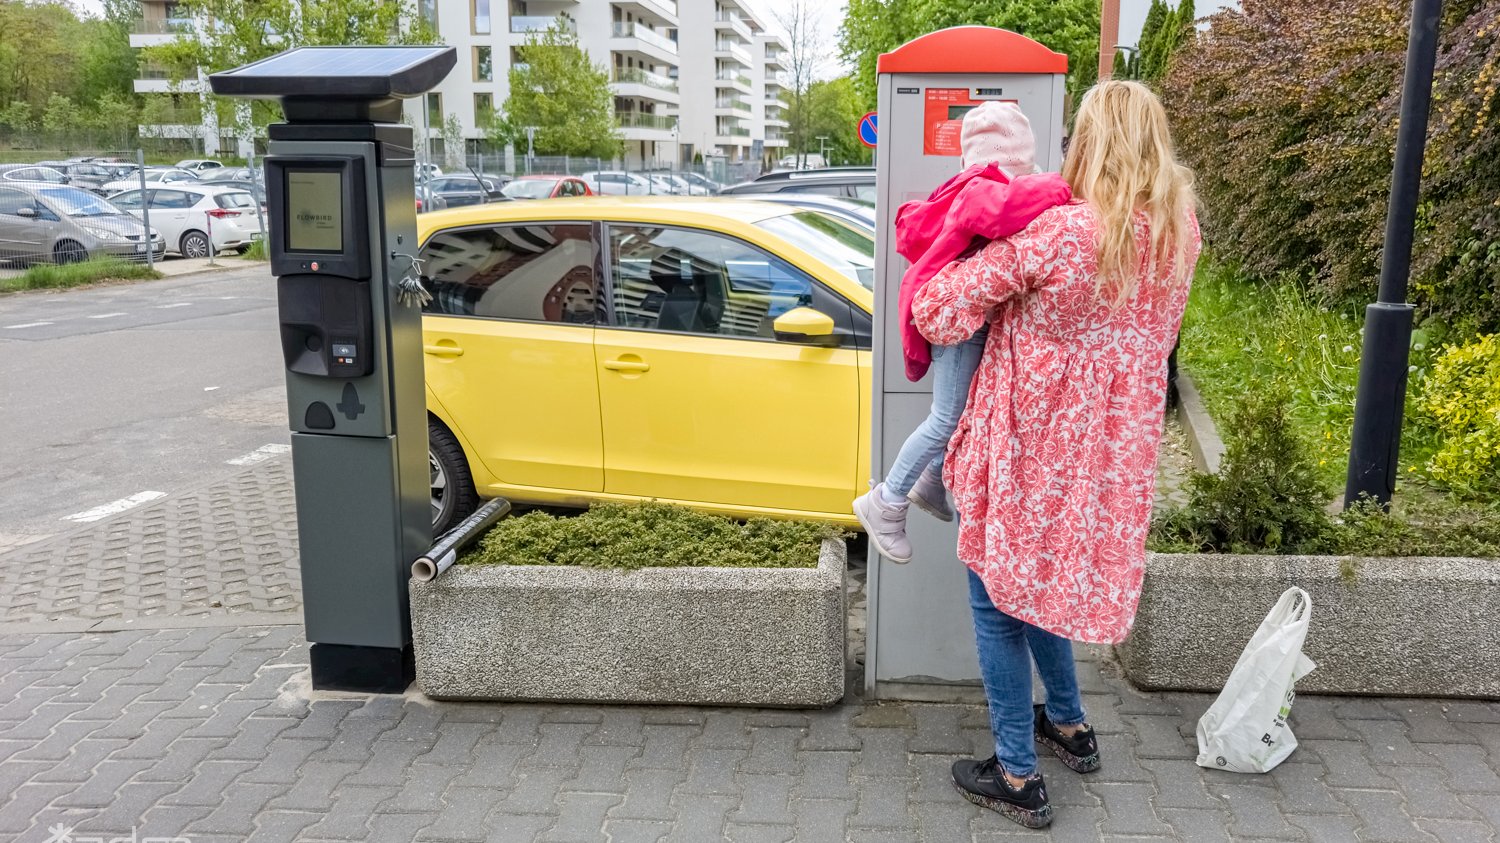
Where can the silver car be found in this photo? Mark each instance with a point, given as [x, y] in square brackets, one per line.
[42, 222]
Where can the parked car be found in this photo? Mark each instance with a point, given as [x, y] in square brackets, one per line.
[63, 224]
[716, 355]
[464, 190]
[154, 176]
[253, 188]
[546, 187]
[701, 184]
[859, 214]
[428, 171]
[90, 176]
[618, 183]
[32, 173]
[664, 185]
[199, 165]
[843, 182]
[432, 202]
[234, 174]
[187, 214]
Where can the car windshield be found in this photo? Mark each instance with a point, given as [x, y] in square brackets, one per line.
[837, 244]
[529, 188]
[78, 203]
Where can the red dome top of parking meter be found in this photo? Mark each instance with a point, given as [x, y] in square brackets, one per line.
[972, 49]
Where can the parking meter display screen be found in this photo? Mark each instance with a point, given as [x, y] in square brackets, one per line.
[315, 211]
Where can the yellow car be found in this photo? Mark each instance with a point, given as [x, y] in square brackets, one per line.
[709, 352]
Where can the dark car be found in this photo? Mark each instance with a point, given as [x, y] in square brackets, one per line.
[458, 191]
[842, 182]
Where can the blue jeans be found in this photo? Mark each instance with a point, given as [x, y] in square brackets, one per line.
[953, 368]
[1006, 649]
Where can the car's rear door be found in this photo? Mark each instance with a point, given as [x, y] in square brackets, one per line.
[701, 403]
[509, 340]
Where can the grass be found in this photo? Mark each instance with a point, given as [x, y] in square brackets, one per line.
[59, 276]
[650, 535]
[1241, 338]
[256, 252]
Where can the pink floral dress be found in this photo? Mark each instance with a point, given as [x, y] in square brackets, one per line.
[1053, 465]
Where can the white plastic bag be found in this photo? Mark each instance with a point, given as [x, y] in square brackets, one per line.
[1245, 730]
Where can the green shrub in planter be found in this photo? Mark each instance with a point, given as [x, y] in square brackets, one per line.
[1266, 498]
[650, 535]
[1462, 400]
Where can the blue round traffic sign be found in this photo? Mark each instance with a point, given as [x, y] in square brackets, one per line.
[867, 129]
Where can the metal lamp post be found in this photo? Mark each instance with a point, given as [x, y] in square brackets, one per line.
[1378, 404]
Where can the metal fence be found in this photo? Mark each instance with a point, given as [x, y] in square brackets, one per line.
[499, 164]
[57, 212]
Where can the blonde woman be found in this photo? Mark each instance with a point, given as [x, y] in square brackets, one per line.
[1053, 466]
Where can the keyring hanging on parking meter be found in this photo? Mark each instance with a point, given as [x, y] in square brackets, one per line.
[410, 290]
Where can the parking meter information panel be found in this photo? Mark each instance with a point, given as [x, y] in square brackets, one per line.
[316, 219]
[943, 121]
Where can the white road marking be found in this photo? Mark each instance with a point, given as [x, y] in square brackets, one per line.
[260, 454]
[174, 304]
[118, 506]
[26, 325]
[209, 388]
[106, 315]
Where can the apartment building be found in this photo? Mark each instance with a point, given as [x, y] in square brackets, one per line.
[178, 111]
[690, 77]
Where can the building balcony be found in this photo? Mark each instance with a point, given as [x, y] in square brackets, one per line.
[641, 40]
[775, 59]
[153, 32]
[640, 84]
[778, 122]
[776, 141]
[726, 105]
[733, 22]
[520, 24]
[638, 126]
[163, 84]
[660, 11]
[726, 50]
[732, 80]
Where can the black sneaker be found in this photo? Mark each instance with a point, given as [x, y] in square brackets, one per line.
[1080, 752]
[984, 783]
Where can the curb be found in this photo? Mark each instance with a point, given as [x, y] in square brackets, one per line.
[1202, 434]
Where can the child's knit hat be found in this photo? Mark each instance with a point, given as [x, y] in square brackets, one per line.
[998, 133]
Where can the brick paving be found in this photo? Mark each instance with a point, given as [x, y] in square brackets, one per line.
[191, 717]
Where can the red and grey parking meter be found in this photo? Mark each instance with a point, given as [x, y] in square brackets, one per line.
[921, 641]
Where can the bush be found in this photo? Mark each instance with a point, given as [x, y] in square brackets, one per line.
[1461, 400]
[56, 276]
[1288, 113]
[651, 535]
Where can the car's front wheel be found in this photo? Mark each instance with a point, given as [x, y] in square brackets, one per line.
[68, 251]
[453, 495]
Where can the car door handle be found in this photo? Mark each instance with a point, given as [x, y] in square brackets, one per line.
[631, 366]
[444, 348]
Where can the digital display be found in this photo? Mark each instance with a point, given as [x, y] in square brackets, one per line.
[315, 211]
[957, 112]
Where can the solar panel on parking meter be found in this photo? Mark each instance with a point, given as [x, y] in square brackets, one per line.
[341, 199]
[921, 639]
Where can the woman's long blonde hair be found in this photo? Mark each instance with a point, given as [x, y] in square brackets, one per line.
[1120, 159]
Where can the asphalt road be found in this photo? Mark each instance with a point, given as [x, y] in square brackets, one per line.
[116, 395]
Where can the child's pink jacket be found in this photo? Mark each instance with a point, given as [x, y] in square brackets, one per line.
[979, 202]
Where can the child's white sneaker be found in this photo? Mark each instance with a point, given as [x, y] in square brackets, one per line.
[884, 523]
[930, 496]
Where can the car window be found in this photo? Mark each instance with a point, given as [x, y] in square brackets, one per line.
[533, 273]
[235, 200]
[12, 201]
[850, 251]
[676, 279]
[528, 189]
[864, 192]
[129, 201]
[823, 189]
[172, 199]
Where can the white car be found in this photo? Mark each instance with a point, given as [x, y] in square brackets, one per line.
[618, 183]
[154, 177]
[670, 185]
[702, 185]
[189, 215]
[199, 165]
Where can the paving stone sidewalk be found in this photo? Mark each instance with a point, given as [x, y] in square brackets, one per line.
[209, 734]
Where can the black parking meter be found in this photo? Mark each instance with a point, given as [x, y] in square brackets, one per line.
[342, 204]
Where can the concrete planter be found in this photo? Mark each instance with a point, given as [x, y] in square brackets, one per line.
[1394, 626]
[705, 636]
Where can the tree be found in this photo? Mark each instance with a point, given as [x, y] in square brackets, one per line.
[872, 27]
[453, 143]
[564, 95]
[235, 32]
[833, 111]
[116, 119]
[106, 61]
[60, 119]
[801, 22]
[17, 120]
[1162, 36]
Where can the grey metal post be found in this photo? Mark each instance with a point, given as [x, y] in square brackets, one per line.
[260, 216]
[140, 160]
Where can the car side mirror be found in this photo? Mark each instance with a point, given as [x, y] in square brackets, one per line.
[805, 326]
[26, 212]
